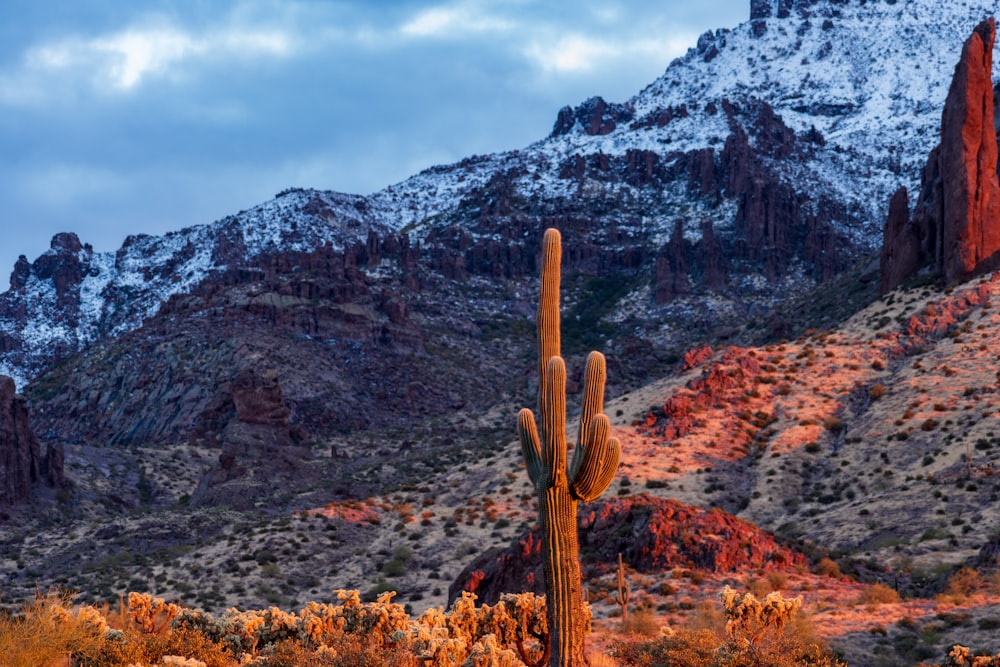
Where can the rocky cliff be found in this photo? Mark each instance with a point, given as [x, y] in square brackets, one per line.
[955, 226]
[22, 465]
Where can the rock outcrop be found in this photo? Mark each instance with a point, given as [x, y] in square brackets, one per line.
[595, 117]
[955, 227]
[250, 419]
[22, 465]
[652, 534]
[971, 226]
[903, 251]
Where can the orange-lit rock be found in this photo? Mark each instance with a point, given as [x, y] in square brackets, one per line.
[971, 230]
[652, 534]
[955, 226]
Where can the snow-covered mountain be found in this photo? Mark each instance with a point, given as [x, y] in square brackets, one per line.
[759, 163]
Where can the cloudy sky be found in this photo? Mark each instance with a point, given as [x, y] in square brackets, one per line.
[127, 117]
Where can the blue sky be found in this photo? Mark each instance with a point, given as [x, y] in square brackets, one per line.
[126, 117]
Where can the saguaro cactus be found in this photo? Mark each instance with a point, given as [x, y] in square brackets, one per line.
[623, 590]
[594, 462]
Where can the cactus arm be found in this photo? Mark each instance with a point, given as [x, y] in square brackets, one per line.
[593, 399]
[596, 457]
[598, 463]
[593, 392]
[527, 432]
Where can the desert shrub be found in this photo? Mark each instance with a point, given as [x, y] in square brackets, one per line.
[766, 631]
[684, 648]
[642, 622]
[45, 631]
[777, 580]
[344, 650]
[962, 584]
[834, 424]
[876, 594]
[489, 653]
[828, 567]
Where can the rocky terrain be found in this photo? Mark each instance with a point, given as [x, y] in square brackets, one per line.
[321, 392]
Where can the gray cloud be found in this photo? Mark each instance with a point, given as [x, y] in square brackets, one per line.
[119, 118]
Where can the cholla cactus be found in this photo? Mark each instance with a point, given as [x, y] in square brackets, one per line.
[487, 652]
[181, 661]
[149, 614]
[961, 656]
[748, 618]
[594, 463]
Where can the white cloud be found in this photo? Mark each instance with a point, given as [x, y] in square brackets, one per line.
[453, 21]
[126, 59]
[134, 55]
[572, 53]
[580, 53]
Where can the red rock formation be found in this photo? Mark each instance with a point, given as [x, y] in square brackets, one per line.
[695, 356]
[63, 267]
[21, 462]
[643, 167]
[652, 534]
[971, 230]
[902, 245]
[702, 176]
[258, 400]
[672, 268]
[768, 212]
[20, 453]
[714, 387]
[956, 223]
[19, 276]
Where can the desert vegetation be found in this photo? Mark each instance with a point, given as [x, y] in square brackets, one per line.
[142, 631]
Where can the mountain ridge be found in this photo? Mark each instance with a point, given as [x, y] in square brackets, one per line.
[661, 161]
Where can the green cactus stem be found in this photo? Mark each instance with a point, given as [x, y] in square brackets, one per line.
[623, 590]
[560, 489]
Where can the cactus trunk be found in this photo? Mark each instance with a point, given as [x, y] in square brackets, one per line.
[563, 583]
[595, 460]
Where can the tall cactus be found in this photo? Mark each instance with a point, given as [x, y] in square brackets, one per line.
[594, 463]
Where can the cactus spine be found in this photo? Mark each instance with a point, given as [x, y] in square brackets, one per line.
[594, 462]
